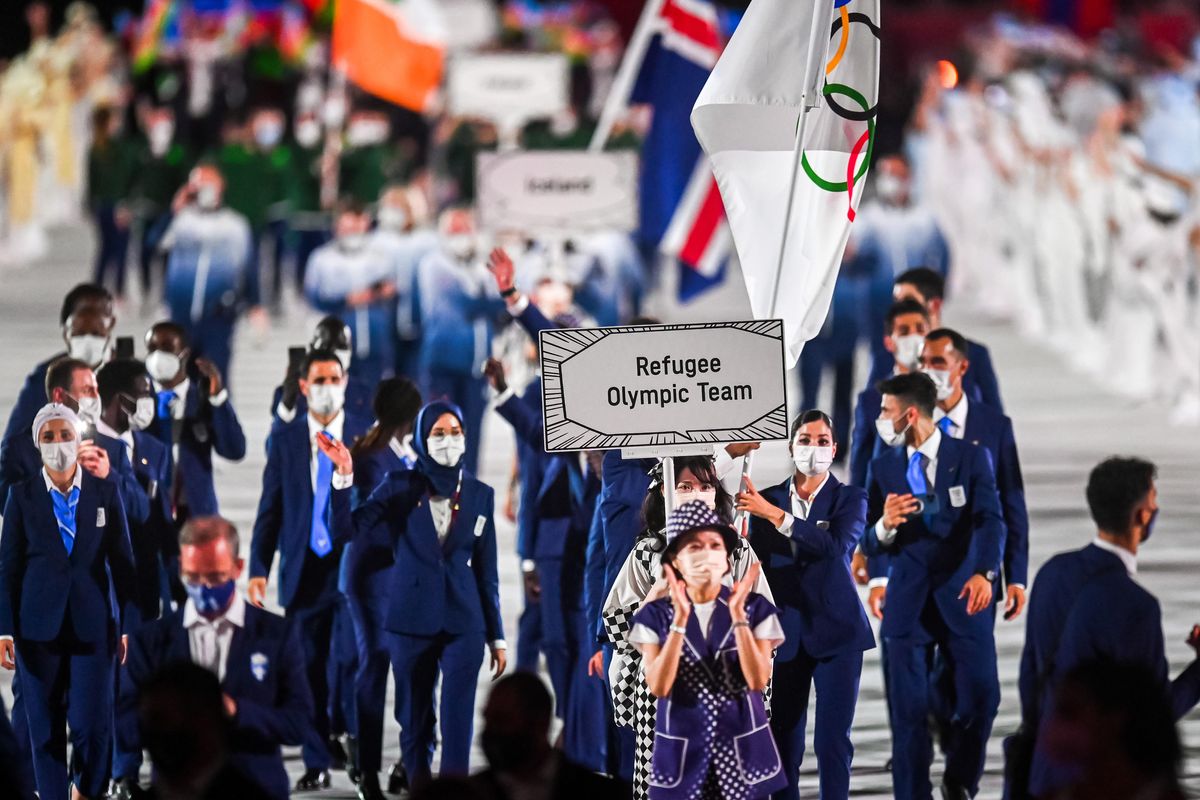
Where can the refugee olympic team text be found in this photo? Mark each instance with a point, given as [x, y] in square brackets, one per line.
[664, 396]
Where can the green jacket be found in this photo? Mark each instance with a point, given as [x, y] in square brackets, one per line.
[254, 182]
[363, 172]
[111, 173]
[159, 178]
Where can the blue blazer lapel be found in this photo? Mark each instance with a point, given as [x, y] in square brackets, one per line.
[895, 466]
[464, 520]
[822, 506]
[87, 516]
[42, 509]
[949, 456]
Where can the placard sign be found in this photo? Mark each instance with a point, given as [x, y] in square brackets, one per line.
[557, 191]
[509, 88]
[663, 385]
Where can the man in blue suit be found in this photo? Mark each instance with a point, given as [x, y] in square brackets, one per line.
[933, 511]
[194, 418]
[64, 555]
[304, 514]
[128, 408]
[1086, 606]
[255, 654]
[87, 320]
[929, 289]
[945, 361]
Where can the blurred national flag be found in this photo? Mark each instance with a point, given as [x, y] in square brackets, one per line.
[393, 49]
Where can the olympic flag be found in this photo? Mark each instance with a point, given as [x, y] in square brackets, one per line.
[788, 119]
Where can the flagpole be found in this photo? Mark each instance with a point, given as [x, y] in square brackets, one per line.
[631, 64]
[814, 71]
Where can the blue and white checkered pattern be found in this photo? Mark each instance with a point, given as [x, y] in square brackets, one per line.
[692, 516]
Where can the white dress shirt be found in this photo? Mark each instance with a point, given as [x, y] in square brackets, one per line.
[335, 427]
[957, 415]
[209, 639]
[1127, 558]
[126, 437]
[179, 404]
[800, 506]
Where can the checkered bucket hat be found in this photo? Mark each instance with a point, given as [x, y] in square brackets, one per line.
[696, 515]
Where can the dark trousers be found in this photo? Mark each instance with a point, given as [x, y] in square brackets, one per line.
[529, 636]
[212, 338]
[111, 249]
[343, 663]
[470, 394]
[836, 682]
[68, 683]
[276, 234]
[416, 664]
[150, 260]
[315, 624]
[370, 680]
[976, 700]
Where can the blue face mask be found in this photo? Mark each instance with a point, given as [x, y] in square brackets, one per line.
[210, 600]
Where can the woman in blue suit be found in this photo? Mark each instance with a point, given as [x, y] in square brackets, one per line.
[804, 531]
[443, 590]
[364, 575]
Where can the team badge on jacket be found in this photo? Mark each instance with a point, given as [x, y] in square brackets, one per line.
[258, 666]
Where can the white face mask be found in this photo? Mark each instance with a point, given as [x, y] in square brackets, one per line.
[890, 188]
[89, 409]
[352, 242]
[207, 197]
[308, 133]
[447, 450]
[941, 380]
[811, 460]
[326, 398]
[703, 566]
[59, 456]
[886, 428]
[160, 137]
[163, 366]
[344, 357]
[89, 349]
[268, 134]
[709, 497]
[908, 349]
[393, 218]
[366, 132]
[143, 413]
[461, 246]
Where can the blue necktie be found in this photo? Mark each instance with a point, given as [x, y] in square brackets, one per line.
[945, 424]
[64, 512]
[164, 403]
[319, 541]
[916, 474]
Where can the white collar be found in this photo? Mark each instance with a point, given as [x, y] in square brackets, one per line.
[235, 614]
[1127, 558]
[929, 447]
[957, 415]
[180, 389]
[126, 437]
[795, 496]
[76, 482]
[335, 427]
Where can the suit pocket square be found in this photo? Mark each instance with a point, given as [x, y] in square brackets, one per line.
[100, 518]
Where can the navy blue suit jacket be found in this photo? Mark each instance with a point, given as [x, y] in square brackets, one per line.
[980, 382]
[206, 429]
[450, 587]
[155, 543]
[809, 571]
[931, 559]
[20, 420]
[264, 674]
[993, 431]
[40, 584]
[284, 520]
[1086, 607]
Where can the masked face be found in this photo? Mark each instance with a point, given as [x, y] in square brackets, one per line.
[308, 133]
[163, 366]
[160, 136]
[326, 399]
[393, 218]
[891, 188]
[702, 566]
[888, 433]
[352, 242]
[143, 413]
[811, 460]
[706, 496]
[208, 197]
[59, 456]
[89, 409]
[267, 134]
[447, 450]
[908, 349]
[88, 348]
[1149, 526]
[461, 246]
[942, 380]
[211, 601]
